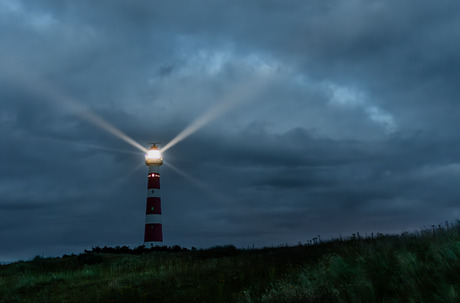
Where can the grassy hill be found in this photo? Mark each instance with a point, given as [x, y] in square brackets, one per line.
[419, 267]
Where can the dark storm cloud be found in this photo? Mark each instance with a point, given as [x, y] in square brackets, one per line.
[354, 127]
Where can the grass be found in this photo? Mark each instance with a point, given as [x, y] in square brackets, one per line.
[419, 267]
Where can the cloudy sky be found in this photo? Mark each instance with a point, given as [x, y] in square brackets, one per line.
[308, 118]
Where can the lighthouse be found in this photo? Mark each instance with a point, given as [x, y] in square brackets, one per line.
[153, 228]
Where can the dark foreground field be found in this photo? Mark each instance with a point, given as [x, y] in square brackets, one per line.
[421, 267]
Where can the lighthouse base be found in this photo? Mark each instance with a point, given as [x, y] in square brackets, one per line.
[153, 234]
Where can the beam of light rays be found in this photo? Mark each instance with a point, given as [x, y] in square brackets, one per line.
[98, 121]
[203, 186]
[240, 94]
[51, 93]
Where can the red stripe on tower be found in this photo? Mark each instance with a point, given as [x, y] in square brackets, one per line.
[153, 227]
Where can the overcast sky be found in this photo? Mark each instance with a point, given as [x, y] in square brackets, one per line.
[319, 118]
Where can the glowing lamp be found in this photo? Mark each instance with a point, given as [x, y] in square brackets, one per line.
[153, 156]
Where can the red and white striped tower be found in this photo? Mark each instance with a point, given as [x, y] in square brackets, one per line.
[153, 228]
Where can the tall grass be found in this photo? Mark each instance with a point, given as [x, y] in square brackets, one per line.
[422, 267]
[419, 267]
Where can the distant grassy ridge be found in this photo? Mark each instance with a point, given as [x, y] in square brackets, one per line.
[411, 267]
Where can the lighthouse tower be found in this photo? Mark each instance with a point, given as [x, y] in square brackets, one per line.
[153, 228]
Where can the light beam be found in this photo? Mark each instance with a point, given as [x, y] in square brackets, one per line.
[240, 94]
[51, 93]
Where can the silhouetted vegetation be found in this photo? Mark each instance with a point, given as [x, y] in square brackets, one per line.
[411, 267]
